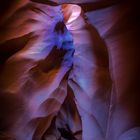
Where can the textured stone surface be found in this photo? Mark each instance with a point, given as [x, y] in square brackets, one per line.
[69, 72]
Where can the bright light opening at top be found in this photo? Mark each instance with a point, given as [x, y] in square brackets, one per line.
[72, 12]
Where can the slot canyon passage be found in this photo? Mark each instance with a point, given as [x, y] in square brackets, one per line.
[69, 70]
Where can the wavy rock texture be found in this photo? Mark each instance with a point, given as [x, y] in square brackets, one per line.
[69, 72]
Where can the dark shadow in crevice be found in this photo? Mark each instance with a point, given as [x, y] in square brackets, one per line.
[12, 46]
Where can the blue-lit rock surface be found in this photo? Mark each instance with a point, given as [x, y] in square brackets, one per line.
[69, 72]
